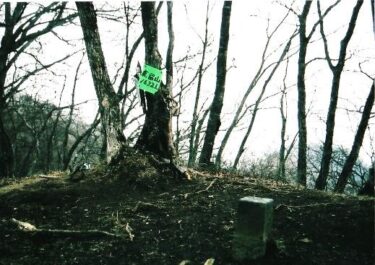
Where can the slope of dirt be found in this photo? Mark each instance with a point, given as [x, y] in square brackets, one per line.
[168, 222]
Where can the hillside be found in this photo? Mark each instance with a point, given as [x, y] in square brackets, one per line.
[170, 221]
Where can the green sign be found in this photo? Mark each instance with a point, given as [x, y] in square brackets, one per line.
[150, 79]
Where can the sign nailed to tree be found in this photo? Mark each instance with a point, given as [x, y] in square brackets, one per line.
[150, 79]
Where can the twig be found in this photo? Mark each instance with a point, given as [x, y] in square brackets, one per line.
[208, 187]
[200, 191]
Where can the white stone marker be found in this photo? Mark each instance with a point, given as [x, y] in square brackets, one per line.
[254, 222]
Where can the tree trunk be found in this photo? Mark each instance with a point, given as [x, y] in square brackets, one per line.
[6, 152]
[321, 181]
[217, 103]
[301, 87]
[351, 159]
[108, 100]
[156, 134]
[283, 116]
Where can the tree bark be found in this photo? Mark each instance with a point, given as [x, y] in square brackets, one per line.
[156, 134]
[321, 181]
[217, 103]
[108, 101]
[358, 139]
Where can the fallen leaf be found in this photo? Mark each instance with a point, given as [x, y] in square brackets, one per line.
[305, 240]
[209, 261]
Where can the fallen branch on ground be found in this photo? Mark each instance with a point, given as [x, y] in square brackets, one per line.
[200, 191]
[48, 177]
[290, 207]
[34, 231]
[177, 171]
[208, 187]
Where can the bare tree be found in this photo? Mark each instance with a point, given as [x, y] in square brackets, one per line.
[336, 71]
[193, 149]
[156, 134]
[70, 116]
[284, 151]
[214, 122]
[85, 135]
[302, 139]
[21, 29]
[107, 97]
[304, 39]
[124, 91]
[357, 143]
[242, 109]
[241, 149]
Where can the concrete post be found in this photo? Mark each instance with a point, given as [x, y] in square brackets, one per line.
[254, 222]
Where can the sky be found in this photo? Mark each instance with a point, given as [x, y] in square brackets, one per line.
[249, 20]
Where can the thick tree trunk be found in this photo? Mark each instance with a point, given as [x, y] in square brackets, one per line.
[6, 150]
[321, 181]
[156, 134]
[108, 100]
[358, 139]
[301, 87]
[217, 103]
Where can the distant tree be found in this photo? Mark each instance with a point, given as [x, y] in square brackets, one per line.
[108, 100]
[368, 187]
[336, 71]
[356, 179]
[357, 143]
[214, 122]
[22, 26]
[38, 134]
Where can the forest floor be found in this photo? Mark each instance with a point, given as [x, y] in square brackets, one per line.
[168, 221]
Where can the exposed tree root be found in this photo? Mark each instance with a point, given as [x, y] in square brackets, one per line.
[178, 171]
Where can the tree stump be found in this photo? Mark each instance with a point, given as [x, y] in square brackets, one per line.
[254, 222]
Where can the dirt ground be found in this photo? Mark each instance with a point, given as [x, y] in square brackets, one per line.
[177, 222]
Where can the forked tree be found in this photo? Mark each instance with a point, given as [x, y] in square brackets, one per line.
[337, 70]
[304, 39]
